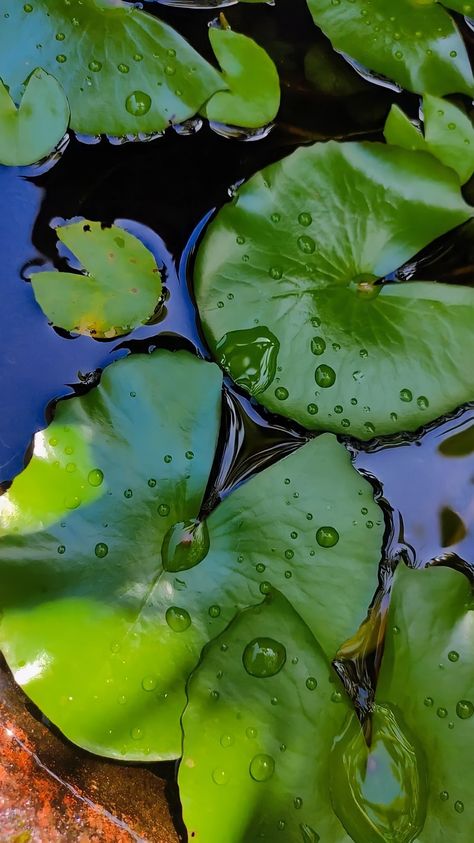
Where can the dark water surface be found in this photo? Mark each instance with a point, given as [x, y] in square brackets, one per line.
[164, 192]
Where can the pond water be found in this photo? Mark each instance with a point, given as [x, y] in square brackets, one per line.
[164, 192]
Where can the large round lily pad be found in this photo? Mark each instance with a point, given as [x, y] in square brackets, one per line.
[123, 70]
[110, 585]
[285, 287]
[120, 287]
[415, 43]
[428, 674]
[262, 715]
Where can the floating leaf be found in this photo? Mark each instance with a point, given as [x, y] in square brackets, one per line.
[110, 584]
[120, 290]
[257, 747]
[297, 252]
[253, 98]
[449, 134]
[417, 44]
[123, 70]
[427, 673]
[30, 132]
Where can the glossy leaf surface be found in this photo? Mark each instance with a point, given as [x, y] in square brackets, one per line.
[253, 97]
[285, 287]
[449, 134]
[120, 289]
[31, 131]
[413, 42]
[110, 584]
[257, 748]
[427, 672]
[106, 52]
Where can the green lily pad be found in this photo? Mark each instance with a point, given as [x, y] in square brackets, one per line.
[259, 726]
[30, 132]
[120, 290]
[110, 585]
[449, 134]
[284, 282]
[427, 673]
[253, 98]
[417, 44]
[106, 52]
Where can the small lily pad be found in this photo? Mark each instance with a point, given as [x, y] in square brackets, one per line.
[253, 98]
[449, 134]
[123, 70]
[427, 673]
[416, 44]
[31, 131]
[119, 289]
[257, 749]
[289, 287]
[111, 583]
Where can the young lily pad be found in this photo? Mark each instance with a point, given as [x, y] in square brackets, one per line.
[417, 44]
[258, 730]
[253, 98]
[120, 290]
[30, 132]
[428, 674]
[288, 266]
[110, 584]
[449, 134]
[106, 53]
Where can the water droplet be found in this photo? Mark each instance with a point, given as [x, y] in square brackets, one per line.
[325, 376]
[101, 550]
[289, 553]
[250, 357]
[464, 709]
[459, 806]
[149, 683]
[60, 36]
[318, 346]
[298, 802]
[220, 776]
[406, 395]
[214, 611]
[441, 712]
[163, 510]
[327, 536]
[428, 701]
[453, 656]
[311, 683]
[185, 545]
[189, 455]
[262, 768]
[281, 393]
[305, 219]
[138, 103]
[264, 657]
[251, 733]
[122, 699]
[168, 458]
[265, 587]
[226, 741]
[312, 409]
[136, 733]
[123, 68]
[306, 244]
[128, 494]
[95, 477]
[423, 402]
[178, 619]
[275, 218]
[336, 697]
[61, 58]
[444, 796]
[61, 549]
[73, 502]
[152, 482]
[27, 8]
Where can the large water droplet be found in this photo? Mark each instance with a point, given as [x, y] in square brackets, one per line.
[185, 545]
[101, 550]
[95, 477]
[325, 376]
[379, 792]
[138, 103]
[262, 768]
[250, 357]
[264, 657]
[327, 536]
[179, 620]
[464, 709]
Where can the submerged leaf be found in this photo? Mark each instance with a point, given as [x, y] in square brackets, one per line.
[427, 673]
[298, 252]
[119, 290]
[417, 44]
[110, 583]
[449, 134]
[31, 131]
[253, 97]
[257, 748]
[123, 70]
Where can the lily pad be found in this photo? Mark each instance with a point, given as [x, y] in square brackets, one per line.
[258, 742]
[449, 134]
[30, 132]
[416, 44]
[253, 98]
[110, 584]
[284, 282]
[106, 51]
[119, 290]
[428, 674]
